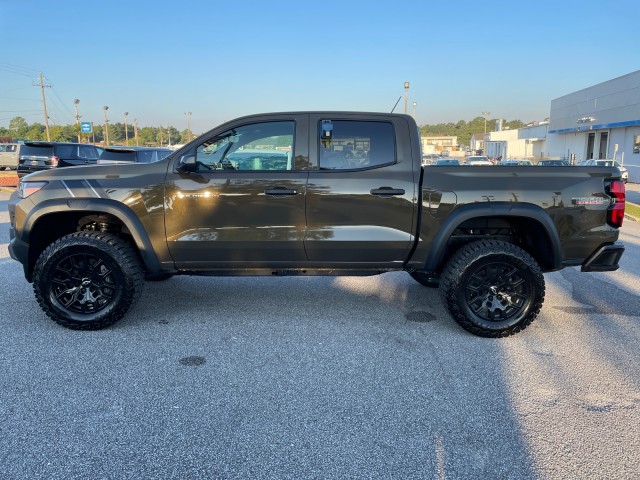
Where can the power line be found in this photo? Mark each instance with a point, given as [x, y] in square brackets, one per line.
[18, 70]
[62, 103]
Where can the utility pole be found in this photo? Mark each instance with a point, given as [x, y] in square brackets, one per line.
[414, 110]
[406, 96]
[135, 129]
[126, 130]
[44, 104]
[75, 105]
[106, 126]
[188, 114]
[485, 115]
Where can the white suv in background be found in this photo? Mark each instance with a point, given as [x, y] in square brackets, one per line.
[9, 155]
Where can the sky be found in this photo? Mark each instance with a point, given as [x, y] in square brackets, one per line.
[219, 60]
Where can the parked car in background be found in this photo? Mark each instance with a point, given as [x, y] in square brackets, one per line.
[446, 161]
[607, 162]
[429, 158]
[553, 163]
[37, 156]
[478, 160]
[515, 163]
[9, 155]
[124, 155]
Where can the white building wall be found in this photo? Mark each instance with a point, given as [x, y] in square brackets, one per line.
[525, 142]
[611, 107]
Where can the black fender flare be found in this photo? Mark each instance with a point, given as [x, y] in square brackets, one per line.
[493, 209]
[99, 205]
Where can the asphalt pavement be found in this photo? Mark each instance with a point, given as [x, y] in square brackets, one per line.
[320, 377]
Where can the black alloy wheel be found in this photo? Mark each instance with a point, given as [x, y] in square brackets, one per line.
[87, 280]
[493, 288]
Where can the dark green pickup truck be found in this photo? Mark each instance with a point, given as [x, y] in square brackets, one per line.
[313, 193]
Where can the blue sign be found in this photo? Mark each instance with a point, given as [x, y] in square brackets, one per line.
[85, 127]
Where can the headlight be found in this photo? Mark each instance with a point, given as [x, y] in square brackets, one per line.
[29, 188]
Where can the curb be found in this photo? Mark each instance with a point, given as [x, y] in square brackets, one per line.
[632, 217]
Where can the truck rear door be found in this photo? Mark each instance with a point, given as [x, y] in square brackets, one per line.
[362, 190]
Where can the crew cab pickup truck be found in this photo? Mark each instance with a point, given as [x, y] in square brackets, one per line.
[313, 193]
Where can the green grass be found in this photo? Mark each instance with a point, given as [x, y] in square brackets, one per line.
[632, 209]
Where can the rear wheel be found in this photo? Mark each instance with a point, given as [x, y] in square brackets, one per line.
[493, 288]
[87, 280]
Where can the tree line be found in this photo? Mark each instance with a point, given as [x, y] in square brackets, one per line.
[19, 129]
[465, 130]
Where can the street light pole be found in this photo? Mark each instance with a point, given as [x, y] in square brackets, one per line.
[406, 96]
[106, 126]
[126, 130]
[414, 110]
[135, 129]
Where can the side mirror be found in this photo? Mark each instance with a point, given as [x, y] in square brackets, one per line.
[187, 164]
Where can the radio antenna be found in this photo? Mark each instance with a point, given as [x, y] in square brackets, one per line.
[394, 107]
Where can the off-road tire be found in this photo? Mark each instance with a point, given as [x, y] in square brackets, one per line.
[492, 288]
[88, 280]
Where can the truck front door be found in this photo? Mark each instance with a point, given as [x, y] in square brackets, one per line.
[362, 197]
[243, 206]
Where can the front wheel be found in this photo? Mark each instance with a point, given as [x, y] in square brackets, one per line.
[492, 288]
[87, 280]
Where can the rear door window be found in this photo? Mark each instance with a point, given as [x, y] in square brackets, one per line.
[355, 145]
[66, 151]
[86, 151]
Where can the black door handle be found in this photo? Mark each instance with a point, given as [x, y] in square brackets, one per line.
[387, 191]
[280, 191]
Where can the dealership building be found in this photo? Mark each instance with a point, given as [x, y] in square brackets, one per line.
[602, 121]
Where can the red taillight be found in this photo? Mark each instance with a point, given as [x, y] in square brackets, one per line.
[615, 212]
[54, 161]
